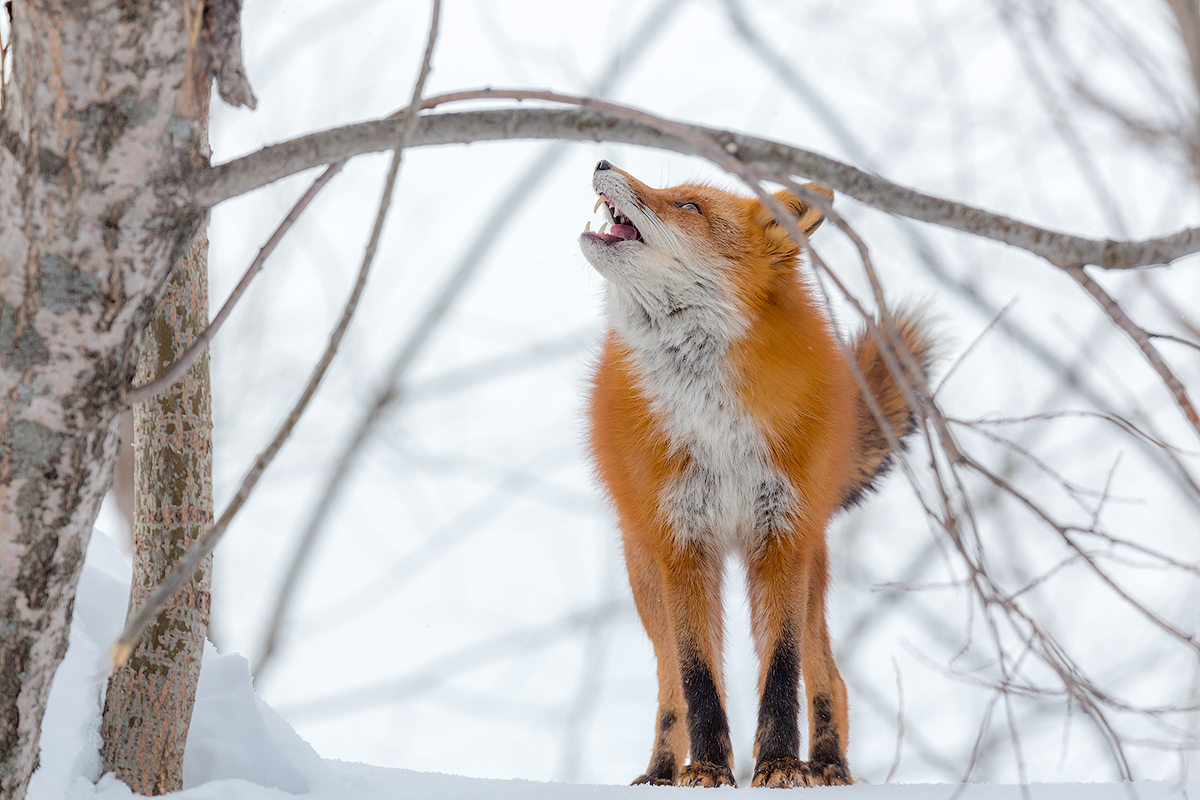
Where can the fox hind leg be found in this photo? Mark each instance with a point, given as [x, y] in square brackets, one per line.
[828, 713]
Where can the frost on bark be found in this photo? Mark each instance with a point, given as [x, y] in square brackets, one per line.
[148, 705]
[99, 135]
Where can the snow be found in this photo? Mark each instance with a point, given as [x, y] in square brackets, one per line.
[239, 749]
[266, 752]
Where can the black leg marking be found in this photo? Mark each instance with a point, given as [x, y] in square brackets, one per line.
[779, 708]
[708, 726]
[825, 750]
[777, 742]
[664, 763]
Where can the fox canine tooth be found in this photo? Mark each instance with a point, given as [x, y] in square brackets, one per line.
[604, 227]
[599, 200]
[588, 228]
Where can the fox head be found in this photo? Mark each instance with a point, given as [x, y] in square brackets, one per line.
[690, 243]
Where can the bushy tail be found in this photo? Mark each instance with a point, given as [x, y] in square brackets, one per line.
[874, 453]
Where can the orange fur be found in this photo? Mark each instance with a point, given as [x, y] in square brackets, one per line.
[790, 388]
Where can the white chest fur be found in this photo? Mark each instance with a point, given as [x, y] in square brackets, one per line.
[730, 494]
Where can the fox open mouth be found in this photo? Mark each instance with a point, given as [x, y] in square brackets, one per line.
[622, 229]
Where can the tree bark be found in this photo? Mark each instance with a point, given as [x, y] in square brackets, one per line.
[99, 134]
[149, 701]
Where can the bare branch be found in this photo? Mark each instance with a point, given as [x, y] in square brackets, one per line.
[597, 121]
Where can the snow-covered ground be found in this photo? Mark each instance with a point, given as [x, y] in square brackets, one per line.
[238, 747]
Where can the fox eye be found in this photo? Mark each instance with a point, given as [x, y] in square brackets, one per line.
[691, 206]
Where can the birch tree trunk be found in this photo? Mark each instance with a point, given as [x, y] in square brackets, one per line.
[99, 134]
[149, 701]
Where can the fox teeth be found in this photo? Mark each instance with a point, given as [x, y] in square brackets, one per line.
[588, 228]
[599, 200]
[604, 228]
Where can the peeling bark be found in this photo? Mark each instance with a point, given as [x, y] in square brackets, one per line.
[96, 150]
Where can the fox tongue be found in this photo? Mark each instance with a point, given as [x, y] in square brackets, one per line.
[626, 232]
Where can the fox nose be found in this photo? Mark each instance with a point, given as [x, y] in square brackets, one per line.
[603, 164]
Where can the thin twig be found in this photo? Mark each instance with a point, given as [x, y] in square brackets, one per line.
[1142, 339]
[974, 343]
[1167, 337]
[899, 722]
[1169, 304]
[204, 545]
[180, 367]
[1076, 492]
[1050, 416]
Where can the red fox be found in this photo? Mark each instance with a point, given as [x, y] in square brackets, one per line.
[724, 418]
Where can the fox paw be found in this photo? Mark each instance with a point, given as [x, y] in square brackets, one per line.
[704, 773]
[830, 775]
[781, 773]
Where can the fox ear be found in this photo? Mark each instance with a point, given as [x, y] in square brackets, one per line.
[808, 216]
